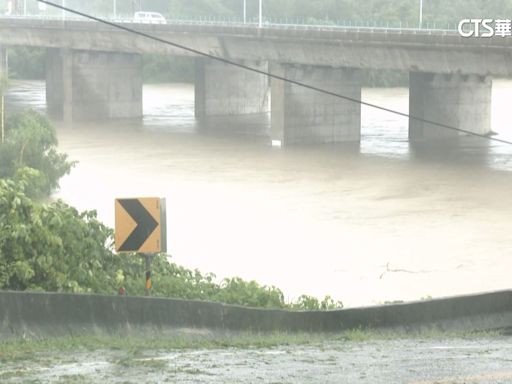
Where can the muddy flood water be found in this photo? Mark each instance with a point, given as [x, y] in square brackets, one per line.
[381, 222]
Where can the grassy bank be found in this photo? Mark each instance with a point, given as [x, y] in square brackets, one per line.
[23, 348]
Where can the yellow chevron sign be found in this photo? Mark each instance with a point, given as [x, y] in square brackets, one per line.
[140, 225]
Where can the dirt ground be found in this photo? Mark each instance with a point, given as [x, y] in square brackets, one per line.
[412, 361]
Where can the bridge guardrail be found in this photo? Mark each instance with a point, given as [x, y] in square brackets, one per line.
[270, 23]
[387, 35]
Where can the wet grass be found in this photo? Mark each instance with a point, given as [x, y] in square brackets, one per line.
[20, 349]
[361, 335]
[25, 349]
[10, 374]
[94, 359]
[134, 360]
[72, 379]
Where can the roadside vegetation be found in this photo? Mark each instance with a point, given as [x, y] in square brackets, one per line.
[53, 247]
[27, 63]
[242, 357]
[25, 349]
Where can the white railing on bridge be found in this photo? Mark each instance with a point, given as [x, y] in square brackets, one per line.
[276, 23]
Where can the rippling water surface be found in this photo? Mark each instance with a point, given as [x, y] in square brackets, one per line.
[379, 222]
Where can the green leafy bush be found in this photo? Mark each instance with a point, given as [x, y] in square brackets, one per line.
[27, 62]
[31, 141]
[168, 69]
[310, 303]
[53, 247]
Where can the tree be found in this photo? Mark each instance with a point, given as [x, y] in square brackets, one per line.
[31, 141]
[27, 62]
[51, 247]
[310, 303]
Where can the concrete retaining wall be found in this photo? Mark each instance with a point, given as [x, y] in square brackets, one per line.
[50, 314]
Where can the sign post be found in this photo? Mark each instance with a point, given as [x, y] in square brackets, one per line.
[148, 258]
[140, 226]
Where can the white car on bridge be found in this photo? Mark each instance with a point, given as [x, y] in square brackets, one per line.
[149, 18]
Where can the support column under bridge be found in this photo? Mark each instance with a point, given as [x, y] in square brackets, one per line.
[88, 85]
[305, 116]
[461, 101]
[222, 89]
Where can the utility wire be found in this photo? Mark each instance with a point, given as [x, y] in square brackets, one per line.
[269, 74]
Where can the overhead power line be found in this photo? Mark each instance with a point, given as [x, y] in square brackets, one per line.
[269, 74]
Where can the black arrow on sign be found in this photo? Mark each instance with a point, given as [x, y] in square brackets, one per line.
[146, 224]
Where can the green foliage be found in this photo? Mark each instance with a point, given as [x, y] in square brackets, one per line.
[27, 62]
[385, 78]
[184, 9]
[381, 12]
[53, 247]
[172, 280]
[30, 141]
[168, 69]
[251, 294]
[309, 303]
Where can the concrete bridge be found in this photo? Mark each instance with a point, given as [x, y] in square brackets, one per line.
[94, 71]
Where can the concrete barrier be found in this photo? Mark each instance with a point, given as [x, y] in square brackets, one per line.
[24, 314]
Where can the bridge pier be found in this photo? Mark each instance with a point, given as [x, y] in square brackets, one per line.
[462, 101]
[86, 85]
[222, 89]
[304, 116]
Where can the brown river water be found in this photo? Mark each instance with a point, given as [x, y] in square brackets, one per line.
[381, 222]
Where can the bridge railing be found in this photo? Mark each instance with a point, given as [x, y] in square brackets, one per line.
[277, 23]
